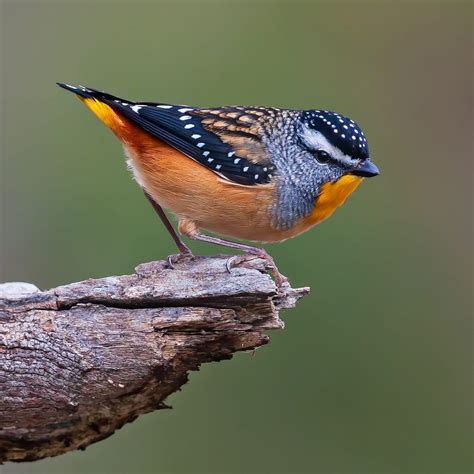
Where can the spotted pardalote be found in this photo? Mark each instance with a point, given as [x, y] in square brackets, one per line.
[254, 173]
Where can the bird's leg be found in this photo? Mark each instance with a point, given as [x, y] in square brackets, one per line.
[184, 250]
[280, 279]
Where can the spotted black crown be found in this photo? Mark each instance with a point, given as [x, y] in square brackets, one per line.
[340, 131]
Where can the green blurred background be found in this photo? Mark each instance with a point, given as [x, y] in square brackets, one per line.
[373, 371]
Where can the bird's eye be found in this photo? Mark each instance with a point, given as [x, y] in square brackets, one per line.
[322, 156]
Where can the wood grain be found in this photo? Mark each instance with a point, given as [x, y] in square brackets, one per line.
[79, 361]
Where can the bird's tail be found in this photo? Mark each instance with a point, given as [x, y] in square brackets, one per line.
[89, 92]
[98, 102]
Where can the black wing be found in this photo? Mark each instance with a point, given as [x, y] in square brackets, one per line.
[225, 140]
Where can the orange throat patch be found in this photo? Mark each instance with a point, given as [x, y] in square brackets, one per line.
[331, 196]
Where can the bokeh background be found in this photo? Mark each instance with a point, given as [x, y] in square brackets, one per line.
[373, 371]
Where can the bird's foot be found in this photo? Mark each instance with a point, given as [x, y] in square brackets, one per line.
[172, 260]
[280, 280]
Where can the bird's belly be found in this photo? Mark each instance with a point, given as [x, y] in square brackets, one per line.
[198, 195]
[193, 193]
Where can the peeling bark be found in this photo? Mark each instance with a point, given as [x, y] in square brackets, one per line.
[79, 361]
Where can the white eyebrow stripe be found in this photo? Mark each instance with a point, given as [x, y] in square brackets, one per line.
[317, 141]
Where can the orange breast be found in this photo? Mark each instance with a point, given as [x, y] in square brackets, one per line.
[197, 196]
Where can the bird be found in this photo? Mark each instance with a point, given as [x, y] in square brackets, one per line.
[252, 173]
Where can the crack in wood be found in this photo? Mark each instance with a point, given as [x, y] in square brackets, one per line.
[79, 361]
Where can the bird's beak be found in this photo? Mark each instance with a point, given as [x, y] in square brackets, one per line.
[366, 170]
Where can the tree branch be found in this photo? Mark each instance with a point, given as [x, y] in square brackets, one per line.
[79, 361]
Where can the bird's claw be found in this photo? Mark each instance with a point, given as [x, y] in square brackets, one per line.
[176, 258]
[229, 262]
[236, 260]
[280, 280]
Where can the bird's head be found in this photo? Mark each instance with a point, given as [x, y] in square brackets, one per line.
[336, 143]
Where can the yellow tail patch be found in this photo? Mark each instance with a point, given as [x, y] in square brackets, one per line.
[104, 112]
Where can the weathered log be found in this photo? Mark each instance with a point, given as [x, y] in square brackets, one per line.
[79, 361]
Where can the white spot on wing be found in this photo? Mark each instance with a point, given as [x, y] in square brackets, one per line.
[165, 106]
[189, 125]
[136, 108]
[185, 117]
